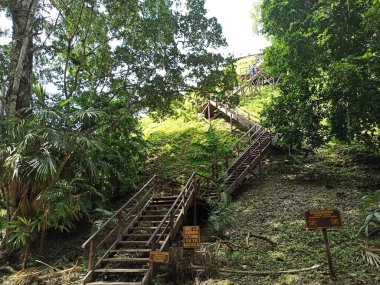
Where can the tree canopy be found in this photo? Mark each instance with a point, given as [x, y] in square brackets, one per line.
[328, 56]
[108, 61]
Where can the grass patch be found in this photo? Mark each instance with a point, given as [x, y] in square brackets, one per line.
[254, 103]
[171, 149]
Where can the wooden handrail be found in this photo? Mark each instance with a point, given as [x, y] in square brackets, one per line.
[206, 177]
[118, 212]
[180, 196]
[248, 149]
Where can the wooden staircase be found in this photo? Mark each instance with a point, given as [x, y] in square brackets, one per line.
[119, 250]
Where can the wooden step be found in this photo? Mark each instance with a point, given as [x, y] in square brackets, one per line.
[151, 217]
[131, 250]
[139, 242]
[156, 206]
[143, 229]
[131, 242]
[165, 198]
[126, 259]
[121, 270]
[137, 235]
[141, 236]
[153, 211]
[150, 222]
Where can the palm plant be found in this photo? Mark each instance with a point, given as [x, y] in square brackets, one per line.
[37, 156]
[55, 166]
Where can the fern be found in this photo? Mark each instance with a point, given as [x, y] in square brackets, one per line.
[223, 213]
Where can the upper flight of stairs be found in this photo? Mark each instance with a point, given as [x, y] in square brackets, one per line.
[119, 250]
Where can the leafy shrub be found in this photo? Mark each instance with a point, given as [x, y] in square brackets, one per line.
[372, 221]
[223, 213]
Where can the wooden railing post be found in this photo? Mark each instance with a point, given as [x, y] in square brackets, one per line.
[171, 223]
[231, 122]
[153, 247]
[209, 112]
[226, 160]
[155, 185]
[91, 255]
[183, 203]
[195, 209]
[119, 223]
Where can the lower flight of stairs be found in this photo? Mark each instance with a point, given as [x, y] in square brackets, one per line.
[128, 260]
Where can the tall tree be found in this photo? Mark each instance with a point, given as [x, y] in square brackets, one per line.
[20, 74]
[328, 56]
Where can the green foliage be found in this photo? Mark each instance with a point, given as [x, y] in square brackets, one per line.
[223, 213]
[67, 162]
[209, 151]
[21, 230]
[372, 198]
[372, 221]
[327, 54]
[254, 105]
[170, 143]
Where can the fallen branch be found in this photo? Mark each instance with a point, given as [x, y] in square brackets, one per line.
[230, 244]
[259, 237]
[39, 261]
[264, 273]
[59, 273]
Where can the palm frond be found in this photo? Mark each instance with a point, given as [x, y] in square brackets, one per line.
[13, 162]
[40, 93]
[90, 113]
[29, 139]
[44, 166]
[85, 142]
[370, 256]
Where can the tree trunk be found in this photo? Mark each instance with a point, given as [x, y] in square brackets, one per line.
[20, 85]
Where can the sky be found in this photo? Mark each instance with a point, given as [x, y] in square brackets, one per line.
[234, 16]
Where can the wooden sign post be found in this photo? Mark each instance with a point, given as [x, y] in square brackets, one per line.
[191, 237]
[323, 219]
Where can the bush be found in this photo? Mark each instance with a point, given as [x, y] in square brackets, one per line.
[223, 213]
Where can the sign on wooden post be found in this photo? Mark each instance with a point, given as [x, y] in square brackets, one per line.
[191, 237]
[323, 219]
[320, 219]
[159, 257]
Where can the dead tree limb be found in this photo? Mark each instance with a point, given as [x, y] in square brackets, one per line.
[259, 237]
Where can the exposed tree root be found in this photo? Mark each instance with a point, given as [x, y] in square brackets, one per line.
[262, 273]
[231, 245]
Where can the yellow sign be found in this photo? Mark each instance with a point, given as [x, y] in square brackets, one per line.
[159, 257]
[191, 237]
